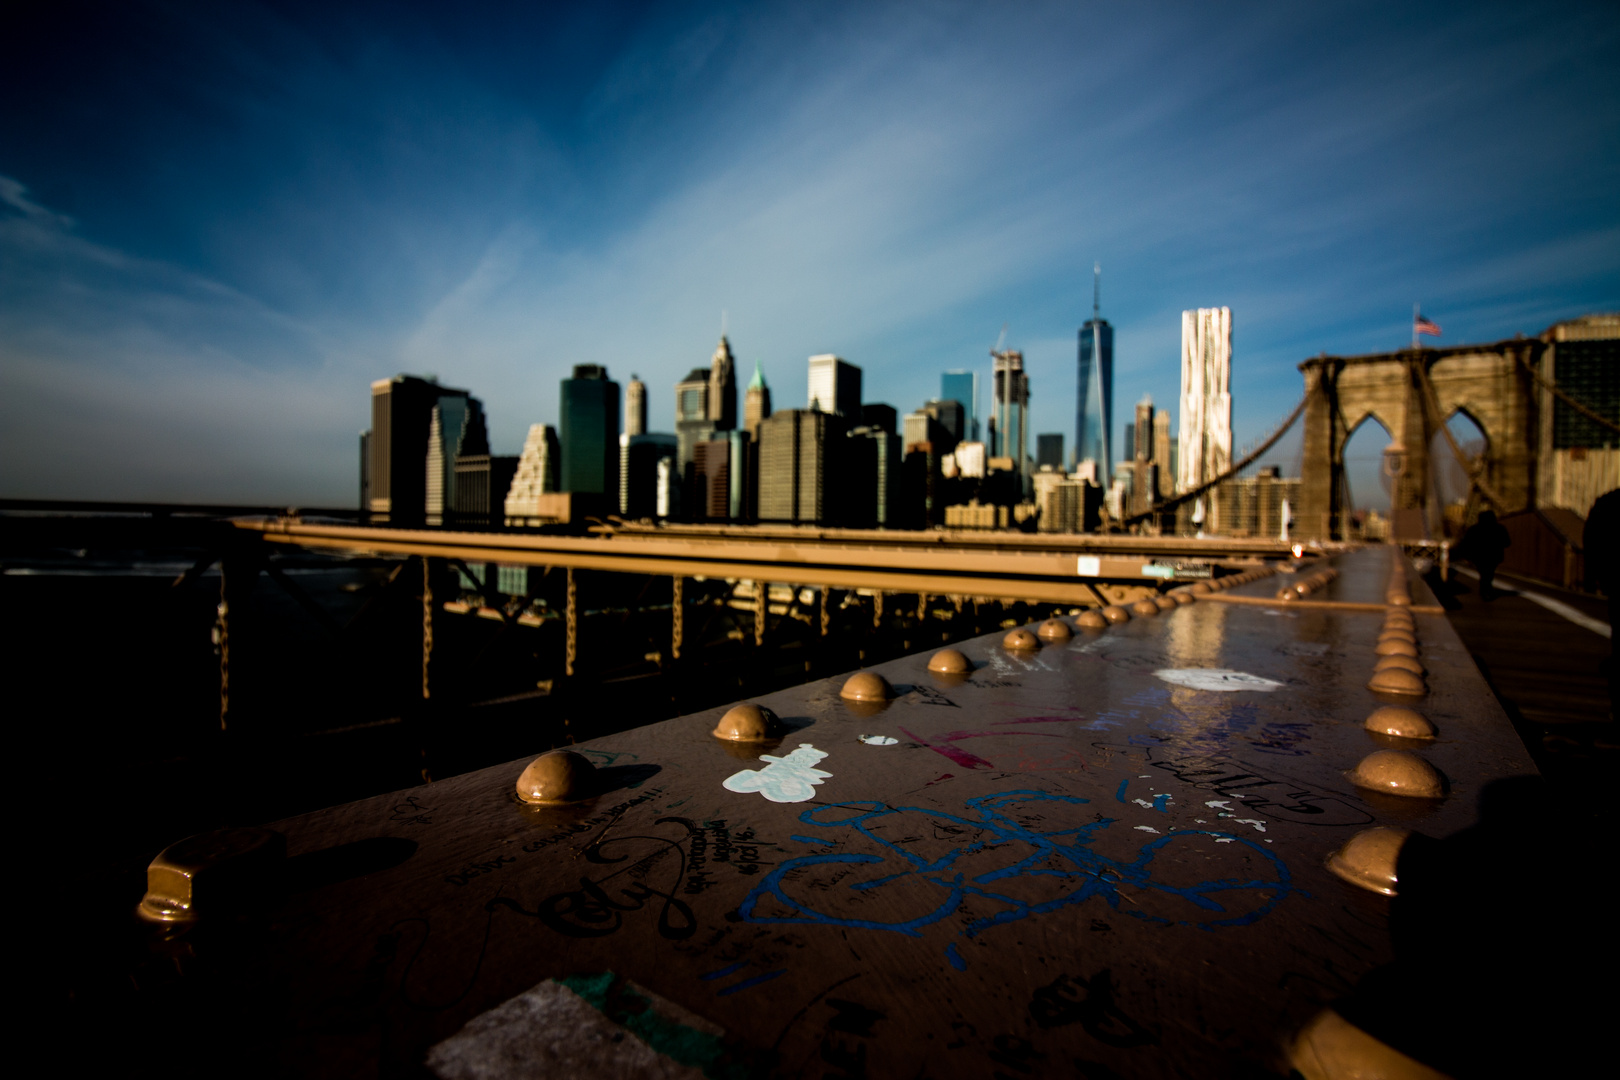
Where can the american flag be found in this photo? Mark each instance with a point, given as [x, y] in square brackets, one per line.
[1421, 325]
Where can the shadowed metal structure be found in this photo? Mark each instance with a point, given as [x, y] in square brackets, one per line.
[1161, 848]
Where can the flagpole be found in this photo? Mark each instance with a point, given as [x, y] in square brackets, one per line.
[1414, 327]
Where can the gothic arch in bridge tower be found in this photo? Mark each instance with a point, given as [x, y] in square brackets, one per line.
[1451, 481]
[1362, 456]
[1412, 394]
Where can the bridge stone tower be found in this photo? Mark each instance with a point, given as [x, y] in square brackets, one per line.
[1413, 393]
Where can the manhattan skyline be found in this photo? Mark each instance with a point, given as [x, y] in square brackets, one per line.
[214, 224]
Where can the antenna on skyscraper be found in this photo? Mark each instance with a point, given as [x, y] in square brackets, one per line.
[1000, 341]
[1096, 290]
[722, 322]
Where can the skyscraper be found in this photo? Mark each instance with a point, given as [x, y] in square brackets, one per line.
[756, 403]
[1094, 411]
[537, 475]
[692, 423]
[952, 417]
[835, 387]
[1010, 411]
[963, 386]
[590, 435]
[798, 457]
[401, 416]
[1049, 451]
[723, 387]
[456, 428]
[1206, 396]
[635, 407]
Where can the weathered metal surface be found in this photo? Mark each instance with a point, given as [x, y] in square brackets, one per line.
[1107, 856]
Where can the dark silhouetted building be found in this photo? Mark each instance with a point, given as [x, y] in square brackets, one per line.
[639, 489]
[401, 416]
[963, 386]
[482, 481]
[878, 415]
[723, 387]
[1049, 451]
[590, 436]
[952, 417]
[692, 422]
[871, 483]
[456, 428]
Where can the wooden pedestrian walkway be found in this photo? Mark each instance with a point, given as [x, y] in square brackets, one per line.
[1550, 674]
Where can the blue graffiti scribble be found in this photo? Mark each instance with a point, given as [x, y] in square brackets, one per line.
[1119, 796]
[755, 981]
[1159, 803]
[1064, 854]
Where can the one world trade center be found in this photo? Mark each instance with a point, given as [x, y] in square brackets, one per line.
[1094, 412]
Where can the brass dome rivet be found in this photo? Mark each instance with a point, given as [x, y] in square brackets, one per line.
[1020, 640]
[1398, 772]
[557, 776]
[1054, 630]
[1396, 681]
[867, 686]
[1399, 721]
[1368, 858]
[748, 723]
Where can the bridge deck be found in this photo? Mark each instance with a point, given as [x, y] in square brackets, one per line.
[1102, 858]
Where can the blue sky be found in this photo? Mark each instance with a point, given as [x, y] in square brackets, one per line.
[219, 223]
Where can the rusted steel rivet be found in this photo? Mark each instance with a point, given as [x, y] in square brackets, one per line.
[748, 723]
[1399, 663]
[1203, 588]
[557, 776]
[1403, 622]
[1054, 630]
[1396, 681]
[1091, 620]
[949, 662]
[1398, 633]
[1395, 647]
[1020, 640]
[1330, 1047]
[1287, 594]
[1184, 596]
[1397, 772]
[1144, 608]
[1399, 721]
[1368, 858]
[1116, 614]
[867, 686]
[1400, 599]
[1165, 603]
[211, 874]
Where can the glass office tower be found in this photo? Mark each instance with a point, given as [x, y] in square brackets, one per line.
[963, 386]
[1094, 414]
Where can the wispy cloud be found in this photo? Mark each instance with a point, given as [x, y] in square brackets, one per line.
[333, 202]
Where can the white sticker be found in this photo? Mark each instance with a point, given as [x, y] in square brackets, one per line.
[1090, 566]
[878, 740]
[1215, 679]
[785, 779]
